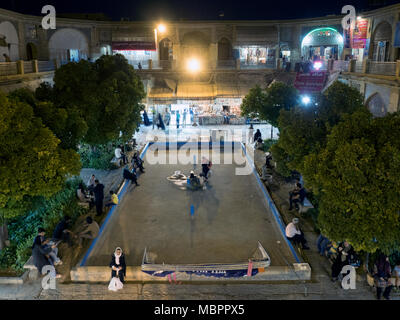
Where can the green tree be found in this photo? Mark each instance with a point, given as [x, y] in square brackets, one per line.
[107, 94]
[65, 123]
[32, 163]
[303, 130]
[357, 178]
[267, 104]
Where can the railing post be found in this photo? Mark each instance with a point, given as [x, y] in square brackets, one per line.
[278, 64]
[330, 64]
[398, 69]
[20, 66]
[150, 64]
[365, 65]
[352, 65]
[56, 65]
[35, 66]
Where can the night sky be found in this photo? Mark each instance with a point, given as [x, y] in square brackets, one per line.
[194, 10]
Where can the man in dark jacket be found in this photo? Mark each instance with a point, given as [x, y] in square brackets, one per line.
[257, 135]
[41, 255]
[130, 176]
[62, 232]
[98, 197]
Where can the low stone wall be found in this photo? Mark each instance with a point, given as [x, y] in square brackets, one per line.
[298, 272]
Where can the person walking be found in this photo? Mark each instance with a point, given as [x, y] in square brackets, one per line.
[118, 265]
[98, 197]
[382, 275]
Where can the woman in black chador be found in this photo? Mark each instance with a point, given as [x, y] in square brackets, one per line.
[117, 264]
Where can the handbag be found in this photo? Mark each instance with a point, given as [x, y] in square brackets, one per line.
[115, 284]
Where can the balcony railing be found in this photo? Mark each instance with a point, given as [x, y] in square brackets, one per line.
[340, 65]
[268, 65]
[8, 68]
[226, 64]
[382, 68]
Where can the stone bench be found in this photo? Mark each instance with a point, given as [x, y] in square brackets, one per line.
[305, 206]
[117, 162]
[33, 271]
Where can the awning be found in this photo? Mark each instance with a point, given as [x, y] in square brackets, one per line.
[134, 45]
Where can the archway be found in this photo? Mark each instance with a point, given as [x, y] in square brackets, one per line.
[8, 42]
[224, 49]
[68, 45]
[381, 41]
[322, 44]
[376, 105]
[165, 49]
[31, 52]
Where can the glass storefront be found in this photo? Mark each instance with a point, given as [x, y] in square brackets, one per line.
[322, 44]
[256, 55]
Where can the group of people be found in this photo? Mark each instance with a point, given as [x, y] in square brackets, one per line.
[137, 164]
[45, 251]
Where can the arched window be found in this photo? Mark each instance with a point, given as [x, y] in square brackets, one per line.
[376, 105]
[165, 49]
[31, 52]
[224, 49]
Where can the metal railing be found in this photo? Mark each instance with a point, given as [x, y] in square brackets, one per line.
[28, 66]
[268, 65]
[340, 65]
[46, 66]
[382, 68]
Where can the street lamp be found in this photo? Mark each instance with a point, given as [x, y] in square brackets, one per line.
[193, 65]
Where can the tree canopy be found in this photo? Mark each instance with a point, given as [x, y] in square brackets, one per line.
[304, 129]
[267, 104]
[107, 94]
[357, 177]
[32, 163]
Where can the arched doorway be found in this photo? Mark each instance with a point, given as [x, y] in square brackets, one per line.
[8, 42]
[381, 41]
[224, 49]
[165, 49]
[322, 44]
[376, 105]
[31, 52]
[68, 45]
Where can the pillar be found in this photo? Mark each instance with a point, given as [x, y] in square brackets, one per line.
[20, 67]
[150, 64]
[35, 66]
[365, 65]
[352, 65]
[394, 100]
[398, 69]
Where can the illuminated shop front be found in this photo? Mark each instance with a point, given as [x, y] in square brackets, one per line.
[136, 52]
[322, 44]
[256, 55]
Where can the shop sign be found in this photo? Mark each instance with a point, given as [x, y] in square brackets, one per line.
[310, 82]
[359, 34]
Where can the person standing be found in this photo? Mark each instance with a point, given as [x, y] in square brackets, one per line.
[98, 197]
[184, 118]
[382, 275]
[251, 133]
[257, 135]
[118, 265]
[167, 117]
[177, 119]
[91, 183]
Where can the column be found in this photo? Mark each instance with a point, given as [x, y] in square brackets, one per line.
[20, 67]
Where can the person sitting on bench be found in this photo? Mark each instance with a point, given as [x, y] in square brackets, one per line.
[138, 162]
[130, 176]
[120, 155]
[293, 233]
[297, 196]
[114, 199]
